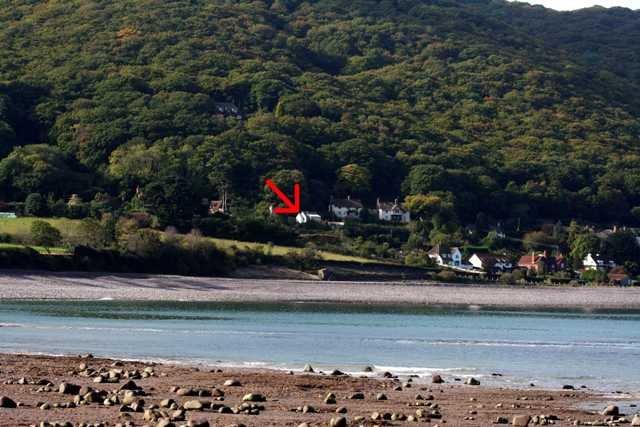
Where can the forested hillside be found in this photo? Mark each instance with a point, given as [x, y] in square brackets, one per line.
[467, 108]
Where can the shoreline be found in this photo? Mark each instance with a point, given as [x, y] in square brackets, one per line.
[35, 285]
[284, 393]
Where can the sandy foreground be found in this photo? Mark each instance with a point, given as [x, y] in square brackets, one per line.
[46, 285]
[24, 380]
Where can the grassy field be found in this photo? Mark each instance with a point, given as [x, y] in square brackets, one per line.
[284, 250]
[20, 228]
[42, 250]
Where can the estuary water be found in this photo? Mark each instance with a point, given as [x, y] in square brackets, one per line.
[598, 350]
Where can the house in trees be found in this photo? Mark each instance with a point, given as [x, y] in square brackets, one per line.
[228, 109]
[392, 212]
[490, 263]
[345, 208]
[445, 256]
[542, 263]
[74, 200]
[219, 206]
[308, 217]
[597, 262]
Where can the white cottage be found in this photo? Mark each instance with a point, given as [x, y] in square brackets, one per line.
[596, 262]
[445, 256]
[392, 212]
[490, 263]
[307, 217]
[345, 208]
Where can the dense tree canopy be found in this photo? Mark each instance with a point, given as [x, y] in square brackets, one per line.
[475, 107]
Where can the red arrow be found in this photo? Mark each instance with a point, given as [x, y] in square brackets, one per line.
[289, 208]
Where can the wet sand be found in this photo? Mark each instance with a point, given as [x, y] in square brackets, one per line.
[45, 285]
[448, 404]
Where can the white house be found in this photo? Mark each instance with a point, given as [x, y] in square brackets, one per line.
[345, 208]
[488, 262]
[596, 262]
[392, 212]
[445, 256]
[307, 217]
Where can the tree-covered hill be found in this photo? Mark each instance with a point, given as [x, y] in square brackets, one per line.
[471, 109]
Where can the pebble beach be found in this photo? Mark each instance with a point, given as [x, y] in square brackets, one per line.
[41, 285]
[87, 391]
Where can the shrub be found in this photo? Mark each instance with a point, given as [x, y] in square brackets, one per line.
[418, 258]
[45, 234]
[447, 276]
[594, 276]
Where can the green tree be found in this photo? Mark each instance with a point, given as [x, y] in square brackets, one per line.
[44, 234]
[35, 205]
[622, 247]
[582, 245]
[353, 180]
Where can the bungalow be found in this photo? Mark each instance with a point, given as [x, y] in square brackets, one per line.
[392, 212]
[596, 262]
[345, 208]
[542, 263]
[445, 256]
[307, 217]
[490, 263]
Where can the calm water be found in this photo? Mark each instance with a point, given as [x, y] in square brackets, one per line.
[601, 351]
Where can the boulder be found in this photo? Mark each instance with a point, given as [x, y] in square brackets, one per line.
[381, 396]
[436, 379]
[521, 421]
[232, 383]
[472, 381]
[368, 369]
[611, 410]
[308, 368]
[338, 422]
[6, 402]
[198, 423]
[129, 385]
[337, 373]
[193, 405]
[330, 399]
[67, 388]
[184, 391]
[357, 396]
[254, 397]
[166, 403]
[636, 420]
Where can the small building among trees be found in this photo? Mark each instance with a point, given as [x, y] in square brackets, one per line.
[346, 208]
[392, 212]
